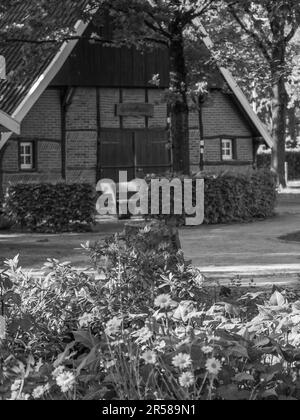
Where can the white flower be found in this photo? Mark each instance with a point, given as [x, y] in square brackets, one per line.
[65, 381]
[143, 335]
[16, 385]
[213, 366]
[163, 301]
[2, 327]
[187, 379]
[149, 357]
[17, 396]
[161, 346]
[40, 391]
[113, 326]
[85, 320]
[207, 349]
[182, 361]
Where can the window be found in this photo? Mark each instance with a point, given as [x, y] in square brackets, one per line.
[227, 149]
[26, 156]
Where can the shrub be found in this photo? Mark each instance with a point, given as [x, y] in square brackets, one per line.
[5, 223]
[68, 335]
[237, 197]
[292, 158]
[50, 208]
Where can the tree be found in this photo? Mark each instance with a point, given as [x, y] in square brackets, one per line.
[142, 23]
[271, 25]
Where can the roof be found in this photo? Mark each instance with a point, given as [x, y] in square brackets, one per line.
[237, 91]
[16, 100]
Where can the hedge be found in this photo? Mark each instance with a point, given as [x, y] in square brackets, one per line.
[50, 208]
[292, 158]
[235, 197]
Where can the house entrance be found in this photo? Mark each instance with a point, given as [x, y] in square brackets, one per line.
[139, 152]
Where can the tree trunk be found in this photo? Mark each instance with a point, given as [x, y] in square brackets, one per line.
[279, 114]
[292, 126]
[179, 104]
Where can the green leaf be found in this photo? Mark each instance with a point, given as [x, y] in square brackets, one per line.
[277, 299]
[243, 377]
[85, 338]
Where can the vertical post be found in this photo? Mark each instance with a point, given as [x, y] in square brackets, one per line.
[2, 68]
[286, 173]
[98, 113]
[201, 129]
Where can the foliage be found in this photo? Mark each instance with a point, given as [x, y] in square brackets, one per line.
[234, 197]
[4, 221]
[49, 207]
[261, 39]
[143, 24]
[292, 158]
[86, 338]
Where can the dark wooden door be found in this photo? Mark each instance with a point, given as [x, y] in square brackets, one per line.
[138, 152]
[152, 152]
[116, 154]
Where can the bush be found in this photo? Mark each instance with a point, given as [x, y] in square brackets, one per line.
[50, 208]
[292, 158]
[237, 197]
[68, 335]
[4, 221]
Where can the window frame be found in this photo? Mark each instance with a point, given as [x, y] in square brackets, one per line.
[232, 156]
[23, 167]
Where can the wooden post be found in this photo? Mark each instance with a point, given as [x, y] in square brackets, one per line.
[286, 173]
[201, 129]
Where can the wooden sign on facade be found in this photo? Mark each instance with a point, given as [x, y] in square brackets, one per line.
[135, 110]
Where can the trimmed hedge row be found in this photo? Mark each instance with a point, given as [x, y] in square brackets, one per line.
[292, 158]
[240, 197]
[235, 197]
[229, 197]
[51, 208]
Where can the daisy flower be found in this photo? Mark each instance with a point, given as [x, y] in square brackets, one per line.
[85, 320]
[182, 361]
[65, 381]
[113, 326]
[40, 391]
[187, 380]
[163, 301]
[143, 335]
[207, 349]
[149, 357]
[213, 366]
[2, 328]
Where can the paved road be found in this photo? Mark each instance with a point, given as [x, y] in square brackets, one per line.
[254, 248]
[34, 249]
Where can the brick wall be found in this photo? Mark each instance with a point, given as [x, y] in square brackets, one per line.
[43, 123]
[110, 97]
[44, 119]
[82, 112]
[221, 118]
[43, 126]
[81, 136]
